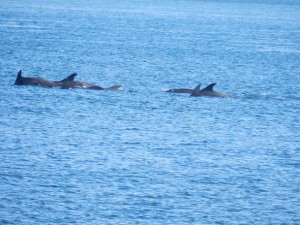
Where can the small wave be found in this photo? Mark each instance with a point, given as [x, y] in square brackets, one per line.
[16, 25]
[280, 50]
[265, 96]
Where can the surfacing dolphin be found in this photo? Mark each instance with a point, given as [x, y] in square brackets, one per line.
[69, 83]
[181, 90]
[20, 80]
[208, 91]
[61, 82]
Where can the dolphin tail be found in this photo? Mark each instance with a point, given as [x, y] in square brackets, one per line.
[209, 87]
[196, 90]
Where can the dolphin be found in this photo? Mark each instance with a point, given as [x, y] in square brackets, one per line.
[60, 83]
[69, 83]
[208, 91]
[181, 90]
[20, 80]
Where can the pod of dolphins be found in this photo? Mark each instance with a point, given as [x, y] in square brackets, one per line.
[69, 83]
[66, 83]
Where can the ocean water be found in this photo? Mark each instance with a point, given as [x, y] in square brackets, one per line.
[141, 155]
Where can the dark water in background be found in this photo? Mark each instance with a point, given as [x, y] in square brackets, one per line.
[140, 155]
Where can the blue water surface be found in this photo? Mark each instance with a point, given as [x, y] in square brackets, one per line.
[142, 155]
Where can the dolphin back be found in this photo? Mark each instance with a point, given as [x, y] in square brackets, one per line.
[115, 87]
[181, 90]
[20, 80]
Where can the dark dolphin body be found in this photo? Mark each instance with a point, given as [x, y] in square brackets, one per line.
[208, 91]
[69, 83]
[181, 90]
[61, 82]
[20, 80]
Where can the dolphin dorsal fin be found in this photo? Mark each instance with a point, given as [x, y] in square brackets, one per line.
[19, 78]
[70, 78]
[66, 81]
[209, 87]
[20, 74]
[196, 90]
